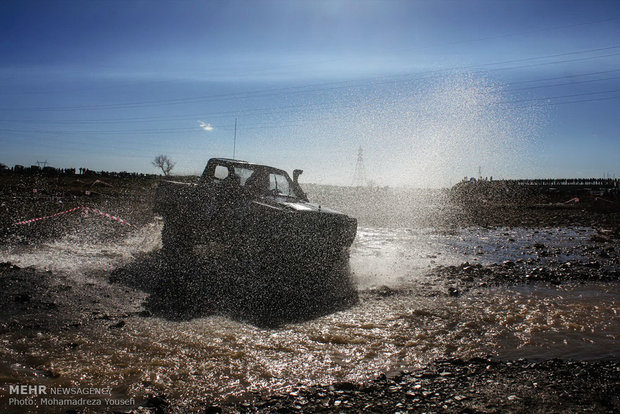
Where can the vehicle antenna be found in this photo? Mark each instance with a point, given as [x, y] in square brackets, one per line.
[235, 140]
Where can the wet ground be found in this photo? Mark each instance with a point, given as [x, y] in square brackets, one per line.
[78, 311]
[478, 385]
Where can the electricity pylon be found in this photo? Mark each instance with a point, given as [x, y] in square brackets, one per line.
[359, 176]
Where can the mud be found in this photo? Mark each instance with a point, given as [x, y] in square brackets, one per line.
[202, 308]
[36, 301]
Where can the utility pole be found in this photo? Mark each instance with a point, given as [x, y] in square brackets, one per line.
[42, 162]
[235, 140]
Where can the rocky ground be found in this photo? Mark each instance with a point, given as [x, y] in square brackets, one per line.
[479, 385]
[602, 264]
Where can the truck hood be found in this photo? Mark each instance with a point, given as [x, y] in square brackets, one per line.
[301, 206]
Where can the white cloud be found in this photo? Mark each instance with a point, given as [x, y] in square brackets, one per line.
[205, 126]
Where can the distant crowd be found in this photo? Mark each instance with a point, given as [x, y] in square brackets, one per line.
[552, 182]
[557, 182]
[56, 172]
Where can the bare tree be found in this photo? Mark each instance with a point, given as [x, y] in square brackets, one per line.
[164, 163]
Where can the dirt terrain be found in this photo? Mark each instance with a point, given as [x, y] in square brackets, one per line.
[34, 301]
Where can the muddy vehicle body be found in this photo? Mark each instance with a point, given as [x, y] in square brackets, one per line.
[253, 212]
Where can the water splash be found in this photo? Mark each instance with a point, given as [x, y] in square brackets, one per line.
[424, 133]
[84, 249]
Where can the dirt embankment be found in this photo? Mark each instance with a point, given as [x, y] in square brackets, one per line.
[25, 197]
[507, 204]
[593, 213]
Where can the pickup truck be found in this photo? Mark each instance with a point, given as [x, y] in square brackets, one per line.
[254, 212]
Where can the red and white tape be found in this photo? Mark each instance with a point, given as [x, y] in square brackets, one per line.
[110, 216]
[47, 217]
[82, 209]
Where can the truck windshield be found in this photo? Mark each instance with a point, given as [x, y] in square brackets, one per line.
[243, 174]
[279, 186]
[266, 182]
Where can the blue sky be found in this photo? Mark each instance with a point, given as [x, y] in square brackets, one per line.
[431, 90]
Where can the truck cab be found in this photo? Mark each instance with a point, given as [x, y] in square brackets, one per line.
[252, 180]
[251, 209]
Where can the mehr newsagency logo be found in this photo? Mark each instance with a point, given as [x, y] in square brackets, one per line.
[42, 395]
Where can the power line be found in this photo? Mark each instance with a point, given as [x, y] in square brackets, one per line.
[561, 84]
[557, 97]
[408, 50]
[566, 76]
[273, 110]
[166, 130]
[304, 123]
[339, 85]
[606, 98]
[277, 109]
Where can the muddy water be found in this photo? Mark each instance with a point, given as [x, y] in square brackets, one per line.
[405, 326]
